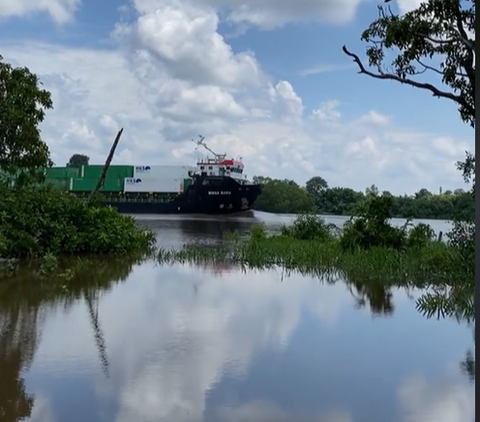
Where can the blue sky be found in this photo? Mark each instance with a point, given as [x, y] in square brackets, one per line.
[264, 80]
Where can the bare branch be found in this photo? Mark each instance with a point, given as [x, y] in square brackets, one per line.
[433, 89]
[427, 67]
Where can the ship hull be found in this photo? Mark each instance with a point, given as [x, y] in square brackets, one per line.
[206, 195]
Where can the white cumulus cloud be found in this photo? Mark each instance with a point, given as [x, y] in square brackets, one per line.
[173, 76]
[442, 402]
[60, 11]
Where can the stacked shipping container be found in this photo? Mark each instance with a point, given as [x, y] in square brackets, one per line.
[119, 178]
[60, 177]
[158, 179]
[153, 185]
[90, 174]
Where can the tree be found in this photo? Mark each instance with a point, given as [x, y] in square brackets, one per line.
[315, 186]
[282, 196]
[22, 108]
[372, 190]
[78, 160]
[437, 38]
[467, 168]
[422, 193]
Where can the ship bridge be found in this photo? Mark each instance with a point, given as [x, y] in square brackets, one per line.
[220, 165]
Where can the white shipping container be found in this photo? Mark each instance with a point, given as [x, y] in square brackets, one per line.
[161, 172]
[138, 184]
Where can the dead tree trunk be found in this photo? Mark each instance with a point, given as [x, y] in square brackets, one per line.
[107, 163]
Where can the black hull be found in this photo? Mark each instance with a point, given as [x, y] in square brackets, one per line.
[163, 208]
[207, 195]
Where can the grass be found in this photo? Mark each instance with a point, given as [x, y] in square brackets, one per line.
[432, 263]
[446, 276]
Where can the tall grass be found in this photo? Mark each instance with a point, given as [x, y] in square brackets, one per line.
[434, 262]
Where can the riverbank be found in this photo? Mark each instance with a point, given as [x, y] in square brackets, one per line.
[365, 248]
[39, 222]
[433, 263]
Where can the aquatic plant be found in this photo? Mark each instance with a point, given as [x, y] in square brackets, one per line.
[435, 262]
[368, 246]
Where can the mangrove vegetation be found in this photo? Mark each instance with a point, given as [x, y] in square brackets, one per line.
[288, 197]
[367, 246]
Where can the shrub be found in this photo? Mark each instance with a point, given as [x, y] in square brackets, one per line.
[420, 235]
[308, 227]
[369, 226]
[39, 221]
[258, 232]
[462, 238]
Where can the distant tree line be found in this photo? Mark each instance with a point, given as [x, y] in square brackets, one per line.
[287, 197]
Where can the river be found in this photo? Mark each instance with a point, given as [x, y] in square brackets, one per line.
[141, 342]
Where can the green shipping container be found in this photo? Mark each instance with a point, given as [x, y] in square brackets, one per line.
[186, 184]
[57, 183]
[10, 178]
[62, 172]
[113, 172]
[88, 185]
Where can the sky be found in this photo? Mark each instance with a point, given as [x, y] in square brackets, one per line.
[265, 80]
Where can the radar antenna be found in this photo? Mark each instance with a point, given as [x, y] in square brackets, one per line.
[201, 142]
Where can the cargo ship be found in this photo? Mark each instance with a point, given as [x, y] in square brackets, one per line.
[215, 185]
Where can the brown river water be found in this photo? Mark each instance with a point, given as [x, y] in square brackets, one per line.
[142, 342]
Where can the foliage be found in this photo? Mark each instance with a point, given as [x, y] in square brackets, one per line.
[308, 227]
[467, 168]
[462, 238]
[420, 235]
[437, 38]
[36, 222]
[282, 196]
[336, 200]
[258, 232]
[22, 108]
[434, 263]
[316, 186]
[78, 160]
[447, 205]
[369, 226]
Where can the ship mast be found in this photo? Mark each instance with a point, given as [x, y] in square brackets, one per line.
[203, 144]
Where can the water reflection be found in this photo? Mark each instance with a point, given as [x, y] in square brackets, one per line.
[24, 303]
[187, 344]
[18, 342]
[176, 232]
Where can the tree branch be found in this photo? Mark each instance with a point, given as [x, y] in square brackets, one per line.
[427, 67]
[460, 30]
[433, 89]
[463, 37]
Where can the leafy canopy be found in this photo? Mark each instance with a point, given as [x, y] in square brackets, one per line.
[22, 108]
[282, 196]
[78, 160]
[437, 38]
